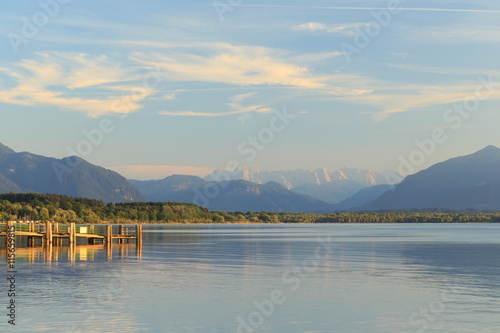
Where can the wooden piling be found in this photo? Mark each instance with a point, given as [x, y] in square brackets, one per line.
[48, 232]
[109, 234]
[138, 233]
[122, 232]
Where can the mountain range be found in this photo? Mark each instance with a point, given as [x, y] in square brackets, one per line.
[73, 176]
[467, 182]
[232, 195]
[332, 186]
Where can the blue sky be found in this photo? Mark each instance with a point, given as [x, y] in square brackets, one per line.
[182, 85]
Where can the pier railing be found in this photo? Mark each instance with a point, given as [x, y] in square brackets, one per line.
[56, 232]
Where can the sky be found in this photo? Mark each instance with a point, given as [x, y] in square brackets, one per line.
[153, 88]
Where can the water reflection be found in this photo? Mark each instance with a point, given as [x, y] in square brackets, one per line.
[202, 278]
[73, 253]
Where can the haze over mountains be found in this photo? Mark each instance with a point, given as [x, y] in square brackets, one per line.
[467, 182]
[291, 179]
[332, 186]
[248, 189]
[233, 195]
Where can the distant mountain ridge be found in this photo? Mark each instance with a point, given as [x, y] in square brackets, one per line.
[324, 184]
[233, 195]
[466, 182]
[26, 172]
[362, 197]
[295, 178]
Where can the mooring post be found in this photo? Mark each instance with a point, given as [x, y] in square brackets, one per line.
[109, 234]
[56, 231]
[138, 233]
[122, 232]
[48, 232]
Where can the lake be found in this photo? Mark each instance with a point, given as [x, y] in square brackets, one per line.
[267, 278]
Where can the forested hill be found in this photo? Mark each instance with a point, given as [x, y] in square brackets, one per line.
[62, 208]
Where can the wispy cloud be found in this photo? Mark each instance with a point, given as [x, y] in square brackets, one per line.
[242, 97]
[197, 114]
[95, 83]
[309, 58]
[415, 67]
[234, 65]
[349, 29]
[235, 104]
[417, 98]
[170, 96]
[458, 10]
[457, 34]
[72, 81]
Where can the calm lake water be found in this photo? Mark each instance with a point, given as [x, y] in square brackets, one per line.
[267, 278]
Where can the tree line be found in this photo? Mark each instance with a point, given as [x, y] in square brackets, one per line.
[61, 208]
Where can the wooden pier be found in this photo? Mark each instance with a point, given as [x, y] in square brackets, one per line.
[55, 233]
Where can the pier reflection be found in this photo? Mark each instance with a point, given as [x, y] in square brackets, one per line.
[52, 253]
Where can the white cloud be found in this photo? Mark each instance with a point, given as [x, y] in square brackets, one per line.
[197, 114]
[252, 66]
[95, 84]
[234, 65]
[457, 34]
[365, 9]
[73, 81]
[311, 26]
[391, 100]
[415, 67]
[309, 58]
[349, 29]
[235, 104]
[170, 97]
[241, 97]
